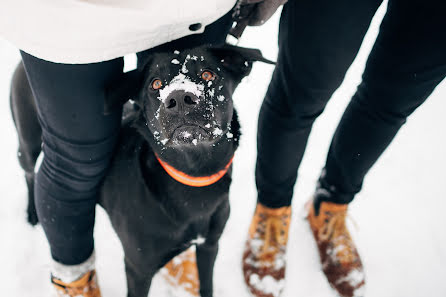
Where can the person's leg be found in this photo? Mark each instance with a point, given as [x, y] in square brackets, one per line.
[78, 141]
[318, 41]
[406, 64]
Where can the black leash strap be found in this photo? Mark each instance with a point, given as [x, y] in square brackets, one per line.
[240, 16]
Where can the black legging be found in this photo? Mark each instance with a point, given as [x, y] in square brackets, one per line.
[78, 141]
[77, 144]
[318, 41]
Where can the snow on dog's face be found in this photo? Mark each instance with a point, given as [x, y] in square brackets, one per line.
[186, 96]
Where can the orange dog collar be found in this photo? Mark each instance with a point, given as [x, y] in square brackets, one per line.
[193, 181]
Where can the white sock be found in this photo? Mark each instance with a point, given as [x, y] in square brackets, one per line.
[70, 273]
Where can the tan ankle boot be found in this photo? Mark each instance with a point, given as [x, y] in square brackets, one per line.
[264, 256]
[182, 274]
[85, 286]
[339, 258]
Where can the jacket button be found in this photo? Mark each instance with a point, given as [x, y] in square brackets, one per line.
[195, 27]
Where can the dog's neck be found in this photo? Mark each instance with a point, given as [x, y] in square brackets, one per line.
[193, 181]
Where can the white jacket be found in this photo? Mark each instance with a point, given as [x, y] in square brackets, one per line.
[88, 31]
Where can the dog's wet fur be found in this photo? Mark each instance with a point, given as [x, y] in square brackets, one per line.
[191, 124]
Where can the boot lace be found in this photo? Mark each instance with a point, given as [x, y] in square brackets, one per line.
[335, 231]
[276, 236]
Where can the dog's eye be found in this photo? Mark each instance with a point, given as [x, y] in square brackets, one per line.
[156, 84]
[207, 75]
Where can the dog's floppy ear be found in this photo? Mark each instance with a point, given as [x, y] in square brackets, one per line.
[121, 90]
[239, 59]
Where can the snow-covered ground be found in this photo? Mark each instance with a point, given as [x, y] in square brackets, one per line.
[399, 212]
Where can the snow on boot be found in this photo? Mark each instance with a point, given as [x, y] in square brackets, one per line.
[339, 258]
[85, 286]
[182, 274]
[75, 280]
[264, 256]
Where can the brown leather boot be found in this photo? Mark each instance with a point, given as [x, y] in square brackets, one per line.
[182, 274]
[339, 258]
[85, 286]
[264, 256]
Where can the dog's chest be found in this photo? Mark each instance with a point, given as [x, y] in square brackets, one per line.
[155, 211]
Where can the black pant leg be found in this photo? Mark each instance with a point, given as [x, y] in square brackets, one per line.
[318, 41]
[407, 62]
[78, 141]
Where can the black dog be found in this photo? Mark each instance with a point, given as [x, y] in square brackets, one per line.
[169, 180]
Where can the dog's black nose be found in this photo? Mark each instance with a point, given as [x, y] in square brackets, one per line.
[179, 101]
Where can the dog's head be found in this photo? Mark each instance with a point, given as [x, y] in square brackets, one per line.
[185, 96]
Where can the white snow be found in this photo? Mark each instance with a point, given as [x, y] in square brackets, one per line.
[268, 284]
[400, 210]
[279, 259]
[211, 92]
[181, 82]
[354, 278]
[184, 66]
[339, 248]
[70, 273]
[217, 132]
[360, 292]
[185, 134]
[199, 240]
[175, 61]
[256, 244]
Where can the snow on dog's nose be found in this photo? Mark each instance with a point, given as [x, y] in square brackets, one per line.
[181, 83]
